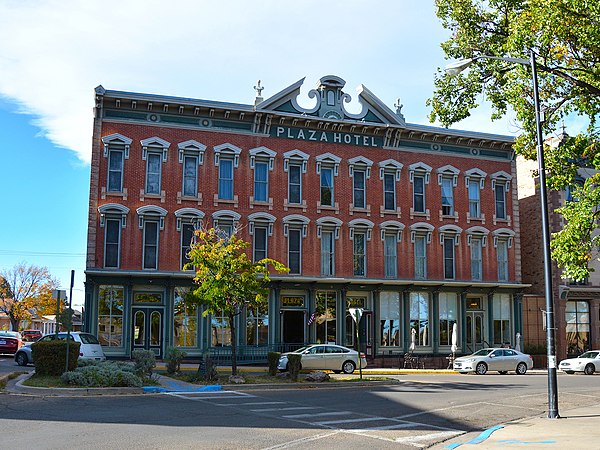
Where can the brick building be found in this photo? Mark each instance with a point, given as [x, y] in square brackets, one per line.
[418, 225]
[576, 303]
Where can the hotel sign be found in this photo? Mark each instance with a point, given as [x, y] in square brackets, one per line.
[328, 137]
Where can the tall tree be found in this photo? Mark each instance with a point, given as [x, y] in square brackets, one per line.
[22, 289]
[565, 35]
[228, 281]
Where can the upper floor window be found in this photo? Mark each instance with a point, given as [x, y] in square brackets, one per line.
[475, 180]
[360, 233]
[391, 234]
[476, 240]
[151, 222]
[328, 230]
[188, 221]
[295, 228]
[419, 177]
[113, 219]
[191, 156]
[503, 239]
[500, 186]
[116, 149]
[226, 159]
[447, 179]
[261, 160]
[154, 152]
[260, 228]
[572, 191]
[327, 168]
[360, 170]
[449, 238]
[226, 223]
[295, 163]
[420, 236]
[389, 173]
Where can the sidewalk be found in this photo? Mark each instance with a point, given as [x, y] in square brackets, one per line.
[576, 429]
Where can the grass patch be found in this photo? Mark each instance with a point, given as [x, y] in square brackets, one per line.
[46, 381]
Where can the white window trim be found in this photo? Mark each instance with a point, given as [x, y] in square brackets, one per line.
[392, 166]
[151, 212]
[422, 228]
[295, 157]
[419, 168]
[501, 177]
[262, 153]
[155, 144]
[263, 219]
[473, 175]
[479, 233]
[391, 227]
[226, 215]
[361, 225]
[229, 151]
[113, 209]
[503, 234]
[188, 215]
[116, 139]
[329, 160]
[329, 222]
[450, 231]
[295, 221]
[360, 163]
[448, 171]
[192, 147]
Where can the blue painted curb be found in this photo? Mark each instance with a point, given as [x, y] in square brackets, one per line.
[175, 388]
[478, 440]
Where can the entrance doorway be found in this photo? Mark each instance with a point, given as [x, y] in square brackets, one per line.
[292, 327]
[475, 331]
[147, 329]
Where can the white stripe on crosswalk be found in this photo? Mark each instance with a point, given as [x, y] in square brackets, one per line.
[364, 419]
[295, 408]
[302, 416]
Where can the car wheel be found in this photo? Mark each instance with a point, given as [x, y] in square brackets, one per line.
[348, 367]
[521, 369]
[503, 372]
[22, 359]
[589, 369]
[481, 368]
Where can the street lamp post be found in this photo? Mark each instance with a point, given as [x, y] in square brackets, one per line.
[454, 69]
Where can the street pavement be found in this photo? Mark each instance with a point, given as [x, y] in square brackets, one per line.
[320, 418]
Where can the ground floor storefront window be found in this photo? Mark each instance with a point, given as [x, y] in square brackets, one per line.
[448, 311]
[389, 319]
[220, 331]
[420, 317]
[501, 318]
[110, 316]
[185, 320]
[257, 327]
[577, 315]
[325, 317]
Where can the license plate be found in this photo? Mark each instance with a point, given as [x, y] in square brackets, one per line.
[2, 342]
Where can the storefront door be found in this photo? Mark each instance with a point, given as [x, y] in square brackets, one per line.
[292, 326]
[475, 332]
[147, 332]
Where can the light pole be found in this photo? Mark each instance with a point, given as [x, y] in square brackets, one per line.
[454, 69]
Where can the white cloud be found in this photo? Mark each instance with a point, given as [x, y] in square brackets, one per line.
[55, 52]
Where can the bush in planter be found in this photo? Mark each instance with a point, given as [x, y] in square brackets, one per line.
[294, 365]
[273, 358]
[174, 356]
[49, 357]
[103, 374]
[145, 361]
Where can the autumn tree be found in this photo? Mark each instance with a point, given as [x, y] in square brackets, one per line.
[23, 289]
[565, 36]
[228, 281]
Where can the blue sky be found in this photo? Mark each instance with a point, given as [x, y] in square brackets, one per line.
[54, 52]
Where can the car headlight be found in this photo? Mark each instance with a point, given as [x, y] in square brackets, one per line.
[470, 360]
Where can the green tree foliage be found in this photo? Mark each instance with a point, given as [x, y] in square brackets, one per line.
[24, 289]
[565, 35]
[228, 281]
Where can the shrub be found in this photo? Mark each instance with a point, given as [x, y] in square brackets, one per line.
[174, 356]
[273, 358]
[145, 361]
[294, 365]
[49, 357]
[103, 374]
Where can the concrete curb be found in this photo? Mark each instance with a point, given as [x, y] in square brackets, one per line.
[20, 388]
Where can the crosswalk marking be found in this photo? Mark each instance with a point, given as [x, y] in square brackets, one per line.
[250, 403]
[363, 419]
[294, 408]
[301, 416]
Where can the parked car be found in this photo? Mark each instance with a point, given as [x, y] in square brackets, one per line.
[326, 357]
[10, 342]
[31, 335]
[497, 359]
[90, 348]
[588, 363]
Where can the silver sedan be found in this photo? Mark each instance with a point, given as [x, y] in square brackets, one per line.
[497, 359]
[326, 356]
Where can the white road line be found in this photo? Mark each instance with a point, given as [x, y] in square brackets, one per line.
[251, 403]
[364, 419]
[396, 426]
[427, 437]
[296, 442]
[302, 416]
[295, 408]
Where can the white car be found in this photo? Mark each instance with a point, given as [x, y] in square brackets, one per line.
[588, 363]
[326, 357]
[90, 348]
[498, 359]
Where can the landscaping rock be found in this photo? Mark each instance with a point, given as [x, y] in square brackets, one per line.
[317, 377]
[237, 379]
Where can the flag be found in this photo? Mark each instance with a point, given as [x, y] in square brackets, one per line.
[312, 318]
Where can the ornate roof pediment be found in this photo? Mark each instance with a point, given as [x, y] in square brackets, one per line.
[329, 103]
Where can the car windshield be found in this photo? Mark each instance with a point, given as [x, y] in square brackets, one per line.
[483, 352]
[88, 339]
[590, 355]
